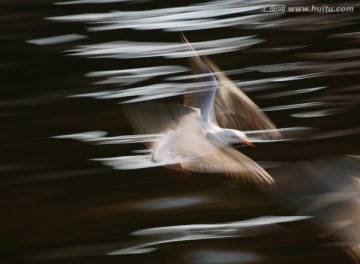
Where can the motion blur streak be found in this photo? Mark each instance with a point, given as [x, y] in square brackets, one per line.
[150, 92]
[56, 39]
[192, 17]
[131, 76]
[133, 50]
[172, 203]
[172, 234]
[58, 205]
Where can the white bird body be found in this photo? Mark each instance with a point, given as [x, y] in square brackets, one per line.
[196, 138]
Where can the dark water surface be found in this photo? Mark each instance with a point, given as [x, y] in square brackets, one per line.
[66, 69]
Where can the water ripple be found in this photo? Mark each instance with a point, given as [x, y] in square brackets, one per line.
[168, 89]
[56, 39]
[172, 203]
[319, 113]
[290, 93]
[292, 106]
[132, 76]
[182, 18]
[85, 136]
[148, 92]
[132, 49]
[172, 234]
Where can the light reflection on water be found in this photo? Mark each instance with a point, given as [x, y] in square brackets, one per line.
[133, 50]
[132, 76]
[192, 17]
[149, 92]
[171, 234]
[171, 203]
[56, 39]
[290, 93]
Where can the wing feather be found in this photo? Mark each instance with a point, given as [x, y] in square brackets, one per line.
[231, 163]
[231, 107]
[234, 109]
[155, 118]
[203, 96]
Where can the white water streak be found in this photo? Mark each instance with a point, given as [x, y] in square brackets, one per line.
[181, 18]
[132, 76]
[172, 234]
[56, 39]
[132, 49]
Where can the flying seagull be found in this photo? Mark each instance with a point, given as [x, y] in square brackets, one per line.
[199, 134]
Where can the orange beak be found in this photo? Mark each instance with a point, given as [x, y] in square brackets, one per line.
[246, 142]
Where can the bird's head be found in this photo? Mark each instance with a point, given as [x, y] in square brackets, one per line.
[235, 137]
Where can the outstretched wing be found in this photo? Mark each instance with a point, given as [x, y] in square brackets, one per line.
[231, 163]
[234, 109]
[155, 118]
[203, 96]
